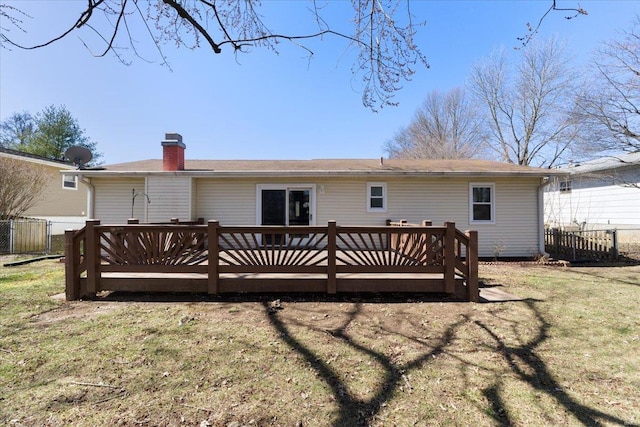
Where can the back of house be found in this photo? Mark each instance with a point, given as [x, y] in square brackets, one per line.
[503, 202]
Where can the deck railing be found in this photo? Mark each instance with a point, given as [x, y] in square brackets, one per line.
[217, 259]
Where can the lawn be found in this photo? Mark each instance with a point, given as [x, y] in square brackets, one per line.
[567, 352]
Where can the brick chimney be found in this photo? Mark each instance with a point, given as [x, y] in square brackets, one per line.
[173, 152]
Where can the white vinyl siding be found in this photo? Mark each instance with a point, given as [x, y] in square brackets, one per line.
[233, 202]
[441, 200]
[595, 202]
[230, 201]
[170, 197]
[113, 200]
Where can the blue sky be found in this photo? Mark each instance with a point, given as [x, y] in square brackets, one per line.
[262, 105]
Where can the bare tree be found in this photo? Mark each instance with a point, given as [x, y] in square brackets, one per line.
[528, 105]
[446, 126]
[17, 130]
[382, 33]
[21, 187]
[609, 105]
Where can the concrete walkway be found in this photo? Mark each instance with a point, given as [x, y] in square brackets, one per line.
[496, 294]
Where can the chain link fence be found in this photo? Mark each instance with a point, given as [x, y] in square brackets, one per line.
[23, 236]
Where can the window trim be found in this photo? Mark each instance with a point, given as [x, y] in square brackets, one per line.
[75, 182]
[566, 186]
[371, 185]
[492, 203]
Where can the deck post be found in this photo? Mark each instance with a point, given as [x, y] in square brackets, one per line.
[213, 278]
[332, 230]
[450, 258]
[473, 293]
[426, 223]
[133, 221]
[92, 252]
[71, 261]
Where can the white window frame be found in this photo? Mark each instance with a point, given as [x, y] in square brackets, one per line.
[566, 186]
[492, 187]
[75, 182]
[383, 185]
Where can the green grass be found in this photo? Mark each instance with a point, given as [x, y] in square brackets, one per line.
[565, 355]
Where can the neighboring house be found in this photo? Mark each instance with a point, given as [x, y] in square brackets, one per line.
[598, 194]
[64, 199]
[502, 201]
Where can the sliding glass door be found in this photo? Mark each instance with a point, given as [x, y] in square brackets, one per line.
[285, 205]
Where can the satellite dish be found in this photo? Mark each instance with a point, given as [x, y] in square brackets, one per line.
[78, 155]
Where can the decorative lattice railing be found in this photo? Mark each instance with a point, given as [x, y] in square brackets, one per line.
[214, 252]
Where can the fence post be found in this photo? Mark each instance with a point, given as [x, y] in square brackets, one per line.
[614, 247]
[473, 293]
[48, 228]
[213, 277]
[72, 278]
[92, 252]
[556, 241]
[11, 238]
[426, 223]
[332, 230]
[450, 258]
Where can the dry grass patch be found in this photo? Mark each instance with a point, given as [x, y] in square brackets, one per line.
[565, 355]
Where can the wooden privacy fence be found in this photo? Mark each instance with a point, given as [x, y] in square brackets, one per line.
[25, 235]
[592, 245]
[222, 259]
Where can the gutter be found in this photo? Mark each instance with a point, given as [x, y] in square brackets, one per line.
[90, 196]
[544, 183]
[321, 174]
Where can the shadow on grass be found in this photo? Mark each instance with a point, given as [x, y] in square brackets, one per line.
[536, 373]
[351, 410]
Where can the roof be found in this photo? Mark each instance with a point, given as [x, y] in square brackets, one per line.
[604, 163]
[320, 167]
[36, 158]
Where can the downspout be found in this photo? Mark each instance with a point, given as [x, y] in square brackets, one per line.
[90, 196]
[545, 182]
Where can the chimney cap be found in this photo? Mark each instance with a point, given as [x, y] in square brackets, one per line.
[172, 138]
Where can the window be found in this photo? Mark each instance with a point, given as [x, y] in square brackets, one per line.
[376, 197]
[565, 186]
[482, 203]
[70, 182]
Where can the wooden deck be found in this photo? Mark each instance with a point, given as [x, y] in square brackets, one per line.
[276, 282]
[215, 259]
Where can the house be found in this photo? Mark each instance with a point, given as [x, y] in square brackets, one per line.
[502, 201]
[598, 194]
[63, 201]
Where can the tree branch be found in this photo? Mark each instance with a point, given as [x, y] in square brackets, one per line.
[186, 16]
[533, 31]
